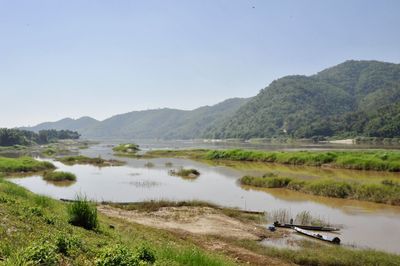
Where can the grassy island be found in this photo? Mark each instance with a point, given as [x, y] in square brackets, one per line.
[58, 176]
[23, 165]
[80, 159]
[127, 149]
[385, 191]
[185, 173]
[381, 160]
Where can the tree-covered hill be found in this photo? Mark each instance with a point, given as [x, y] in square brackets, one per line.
[350, 99]
[355, 98]
[165, 123]
[10, 137]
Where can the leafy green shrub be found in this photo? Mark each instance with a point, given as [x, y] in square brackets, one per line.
[65, 244]
[83, 213]
[117, 255]
[144, 253]
[41, 254]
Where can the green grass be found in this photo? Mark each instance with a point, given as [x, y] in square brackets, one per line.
[57, 176]
[37, 232]
[126, 149]
[387, 191]
[80, 159]
[23, 164]
[192, 153]
[359, 160]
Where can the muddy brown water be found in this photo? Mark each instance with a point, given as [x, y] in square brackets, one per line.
[364, 224]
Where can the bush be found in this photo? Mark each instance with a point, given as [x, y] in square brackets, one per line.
[65, 244]
[117, 255]
[41, 254]
[82, 213]
[144, 253]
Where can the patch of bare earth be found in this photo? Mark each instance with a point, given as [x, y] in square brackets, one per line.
[204, 221]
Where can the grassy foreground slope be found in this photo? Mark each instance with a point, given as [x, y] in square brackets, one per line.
[35, 227]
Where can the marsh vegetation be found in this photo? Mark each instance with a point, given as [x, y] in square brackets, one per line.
[23, 165]
[185, 173]
[80, 159]
[126, 149]
[59, 176]
[385, 191]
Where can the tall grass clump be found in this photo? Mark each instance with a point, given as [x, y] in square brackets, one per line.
[388, 191]
[268, 181]
[83, 213]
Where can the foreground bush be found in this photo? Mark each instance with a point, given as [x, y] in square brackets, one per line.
[119, 255]
[83, 213]
[41, 254]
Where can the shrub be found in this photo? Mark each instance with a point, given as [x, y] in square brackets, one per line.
[65, 244]
[83, 213]
[117, 255]
[41, 254]
[146, 254]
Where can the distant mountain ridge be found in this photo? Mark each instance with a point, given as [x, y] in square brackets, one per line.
[163, 123]
[355, 98]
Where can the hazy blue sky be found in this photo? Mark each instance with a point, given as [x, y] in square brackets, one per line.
[99, 58]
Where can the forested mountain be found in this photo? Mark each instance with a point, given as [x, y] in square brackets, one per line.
[355, 98]
[351, 99]
[159, 123]
[79, 125]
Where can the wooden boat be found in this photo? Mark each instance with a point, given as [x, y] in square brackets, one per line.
[333, 240]
[307, 227]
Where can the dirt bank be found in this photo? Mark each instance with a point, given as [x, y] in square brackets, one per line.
[195, 220]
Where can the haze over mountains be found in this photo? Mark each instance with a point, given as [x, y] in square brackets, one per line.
[355, 98]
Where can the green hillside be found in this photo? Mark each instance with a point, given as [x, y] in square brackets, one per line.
[350, 99]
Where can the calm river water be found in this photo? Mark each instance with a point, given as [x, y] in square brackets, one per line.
[364, 224]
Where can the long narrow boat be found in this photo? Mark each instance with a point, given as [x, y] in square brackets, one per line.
[307, 227]
[333, 240]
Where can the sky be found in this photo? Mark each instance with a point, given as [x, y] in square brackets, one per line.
[76, 58]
